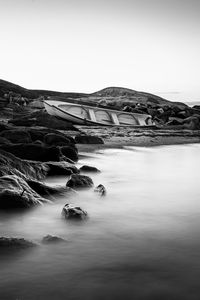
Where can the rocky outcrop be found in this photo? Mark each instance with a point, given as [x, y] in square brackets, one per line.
[15, 193]
[89, 169]
[88, 139]
[45, 190]
[79, 181]
[74, 212]
[12, 165]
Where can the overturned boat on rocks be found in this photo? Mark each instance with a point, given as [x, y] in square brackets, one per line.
[94, 115]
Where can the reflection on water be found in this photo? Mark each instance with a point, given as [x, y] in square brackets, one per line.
[141, 241]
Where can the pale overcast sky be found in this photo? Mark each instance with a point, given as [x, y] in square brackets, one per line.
[87, 45]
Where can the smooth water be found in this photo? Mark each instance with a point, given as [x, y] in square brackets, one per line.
[141, 241]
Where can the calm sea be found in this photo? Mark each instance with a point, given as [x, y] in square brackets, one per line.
[141, 241]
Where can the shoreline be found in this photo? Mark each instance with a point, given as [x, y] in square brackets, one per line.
[120, 137]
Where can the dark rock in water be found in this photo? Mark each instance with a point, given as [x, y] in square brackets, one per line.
[16, 136]
[79, 181]
[61, 168]
[73, 212]
[4, 141]
[88, 139]
[53, 139]
[12, 165]
[15, 193]
[45, 190]
[89, 169]
[33, 152]
[70, 152]
[52, 239]
[11, 242]
[100, 189]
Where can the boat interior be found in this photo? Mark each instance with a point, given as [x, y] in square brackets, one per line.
[100, 115]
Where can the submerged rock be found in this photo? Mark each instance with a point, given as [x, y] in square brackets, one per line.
[100, 189]
[19, 243]
[88, 139]
[79, 181]
[73, 212]
[52, 239]
[89, 169]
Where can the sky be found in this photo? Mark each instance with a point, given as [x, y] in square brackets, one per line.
[87, 45]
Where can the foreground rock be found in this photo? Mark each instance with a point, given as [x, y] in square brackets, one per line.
[74, 212]
[45, 190]
[12, 165]
[61, 168]
[54, 139]
[15, 193]
[89, 169]
[70, 152]
[88, 139]
[79, 181]
[52, 239]
[15, 243]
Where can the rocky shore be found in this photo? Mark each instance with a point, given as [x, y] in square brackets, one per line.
[34, 145]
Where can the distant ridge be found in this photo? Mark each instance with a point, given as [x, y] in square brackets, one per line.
[115, 94]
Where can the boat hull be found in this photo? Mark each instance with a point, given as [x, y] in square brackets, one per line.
[88, 115]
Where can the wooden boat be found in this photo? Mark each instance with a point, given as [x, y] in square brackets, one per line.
[89, 115]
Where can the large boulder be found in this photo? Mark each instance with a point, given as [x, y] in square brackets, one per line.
[88, 139]
[79, 181]
[33, 152]
[73, 212]
[12, 165]
[15, 193]
[16, 136]
[70, 152]
[60, 168]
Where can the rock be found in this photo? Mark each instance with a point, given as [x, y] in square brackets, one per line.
[16, 136]
[52, 239]
[4, 126]
[60, 168]
[11, 242]
[88, 139]
[192, 123]
[45, 190]
[70, 152]
[79, 181]
[4, 141]
[53, 139]
[15, 193]
[89, 169]
[73, 212]
[100, 189]
[33, 152]
[12, 165]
